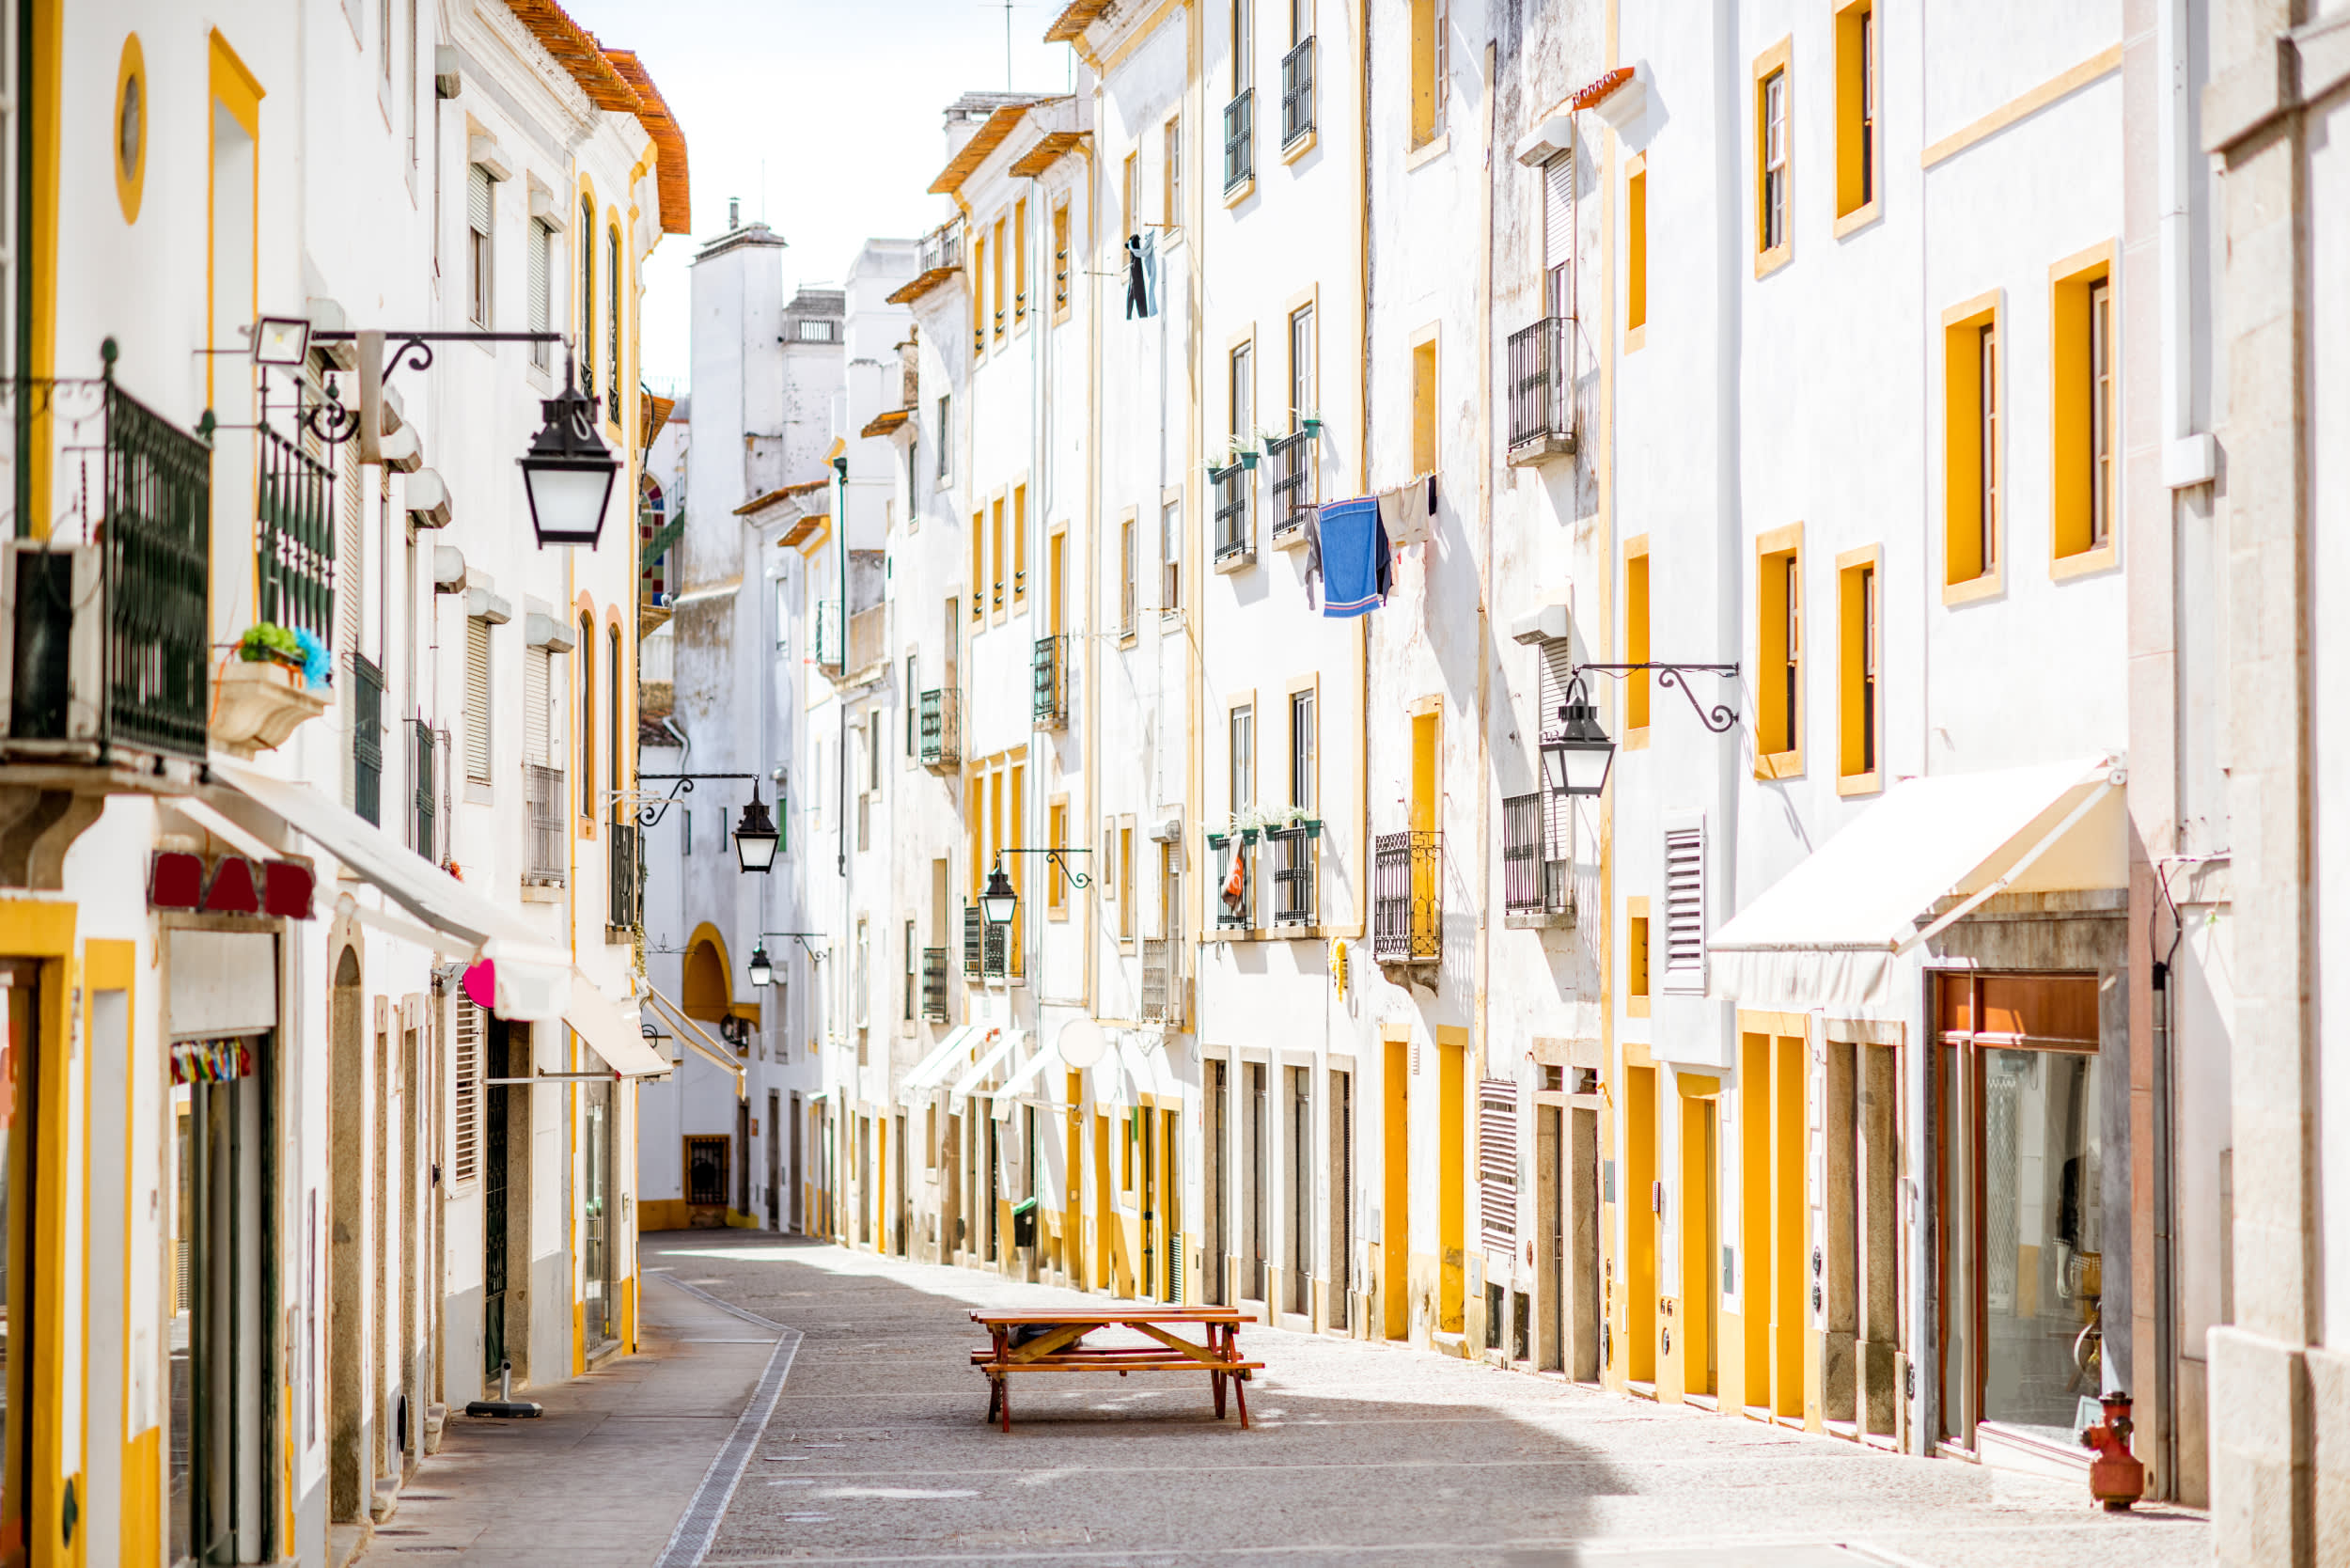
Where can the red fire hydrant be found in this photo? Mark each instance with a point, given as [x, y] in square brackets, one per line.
[2116, 1478]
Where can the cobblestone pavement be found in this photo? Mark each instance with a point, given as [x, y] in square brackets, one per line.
[1359, 1453]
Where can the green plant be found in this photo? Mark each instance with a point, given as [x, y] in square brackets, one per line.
[272, 643]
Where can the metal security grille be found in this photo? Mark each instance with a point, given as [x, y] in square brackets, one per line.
[543, 792]
[1291, 462]
[1497, 1163]
[157, 568]
[934, 984]
[1051, 704]
[1297, 92]
[939, 731]
[1685, 909]
[465, 1154]
[1240, 140]
[624, 885]
[1294, 850]
[294, 538]
[1407, 915]
[367, 739]
[1232, 510]
[477, 701]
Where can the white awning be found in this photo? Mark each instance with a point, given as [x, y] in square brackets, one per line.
[990, 1059]
[930, 1071]
[612, 1030]
[1827, 933]
[1029, 1082]
[456, 918]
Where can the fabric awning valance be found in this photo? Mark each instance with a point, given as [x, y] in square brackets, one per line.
[1827, 933]
[945, 1057]
[697, 1036]
[1029, 1082]
[612, 1030]
[535, 975]
[990, 1059]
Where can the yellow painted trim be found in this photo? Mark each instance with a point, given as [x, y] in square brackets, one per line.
[1427, 152]
[1636, 1003]
[46, 23]
[2063, 85]
[1771, 612]
[1697, 1086]
[130, 182]
[1961, 447]
[2085, 563]
[1757, 1022]
[1635, 339]
[1299, 148]
[1779, 59]
[2071, 416]
[1850, 86]
[235, 87]
[1860, 783]
[1859, 218]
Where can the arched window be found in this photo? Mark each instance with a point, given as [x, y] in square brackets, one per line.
[586, 716]
[614, 770]
[612, 319]
[586, 296]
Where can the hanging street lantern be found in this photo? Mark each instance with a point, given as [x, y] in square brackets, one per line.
[1577, 754]
[568, 475]
[755, 836]
[998, 902]
[762, 971]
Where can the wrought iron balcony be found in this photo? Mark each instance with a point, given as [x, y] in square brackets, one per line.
[1233, 900]
[624, 881]
[367, 739]
[1297, 92]
[294, 538]
[1542, 390]
[1407, 916]
[1051, 707]
[542, 789]
[1289, 461]
[1240, 140]
[934, 984]
[1235, 544]
[1295, 852]
[939, 728]
[424, 818]
[111, 626]
[1162, 998]
[1536, 885]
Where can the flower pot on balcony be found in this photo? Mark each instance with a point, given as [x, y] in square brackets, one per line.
[257, 702]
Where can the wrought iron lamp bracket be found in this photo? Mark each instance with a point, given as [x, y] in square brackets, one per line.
[1053, 856]
[1720, 718]
[815, 954]
[650, 813]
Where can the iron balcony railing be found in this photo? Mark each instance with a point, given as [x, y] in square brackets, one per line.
[367, 739]
[542, 789]
[1230, 485]
[934, 984]
[1289, 461]
[423, 785]
[1162, 998]
[942, 248]
[1051, 704]
[1297, 92]
[1294, 852]
[140, 491]
[294, 538]
[828, 634]
[1240, 139]
[1534, 869]
[1407, 920]
[1233, 897]
[624, 882]
[1542, 385]
[939, 728]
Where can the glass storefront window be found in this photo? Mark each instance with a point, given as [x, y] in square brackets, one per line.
[2042, 1236]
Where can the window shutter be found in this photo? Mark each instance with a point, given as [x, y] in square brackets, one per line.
[1497, 1163]
[478, 198]
[478, 701]
[351, 581]
[1557, 668]
[542, 264]
[466, 1155]
[1559, 211]
[1685, 909]
[537, 697]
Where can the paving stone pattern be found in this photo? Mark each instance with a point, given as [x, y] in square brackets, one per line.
[1360, 1454]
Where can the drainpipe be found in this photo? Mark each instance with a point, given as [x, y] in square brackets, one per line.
[841, 554]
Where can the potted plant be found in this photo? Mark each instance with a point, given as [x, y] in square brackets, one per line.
[1235, 452]
[271, 644]
[1311, 422]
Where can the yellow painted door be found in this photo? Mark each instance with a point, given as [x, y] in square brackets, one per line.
[1395, 1224]
[1640, 1210]
[1700, 1285]
[1453, 1178]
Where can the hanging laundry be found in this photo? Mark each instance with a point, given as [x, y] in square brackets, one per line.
[1142, 275]
[1236, 885]
[1353, 557]
[1409, 510]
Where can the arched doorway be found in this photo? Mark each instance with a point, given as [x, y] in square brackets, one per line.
[347, 1227]
[708, 983]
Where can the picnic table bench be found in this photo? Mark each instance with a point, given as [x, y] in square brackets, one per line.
[1062, 1349]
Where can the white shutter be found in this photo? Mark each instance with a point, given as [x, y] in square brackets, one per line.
[1558, 669]
[478, 198]
[477, 701]
[1559, 211]
[1497, 1163]
[1685, 909]
[465, 1127]
[540, 252]
[537, 697]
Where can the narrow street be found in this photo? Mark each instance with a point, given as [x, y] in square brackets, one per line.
[875, 1453]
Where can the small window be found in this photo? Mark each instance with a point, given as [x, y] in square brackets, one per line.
[1125, 882]
[1424, 407]
[2085, 457]
[1241, 758]
[542, 269]
[479, 195]
[995, 547]
[1636, 254]
[1056, 884]
[1305, 753]
[1126, 578]
[995, 281]
[1636, 637]
[1244, 45]
[979, 294]
[1171, 557]
[1636, 959]
[1171, 143]
[1431, 59]
[1773, 167]
[1301, 347]
[477, 701]
[945, 430]
[1019, 545]
[1862, 642]
[978, 564]
[612, 323]
[1855, 107]
[585, 240]
[1020, 261]
[1778, 660]
[1972, 517]
[1130, 194]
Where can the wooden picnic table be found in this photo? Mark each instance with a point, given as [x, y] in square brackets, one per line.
[1062, 1349]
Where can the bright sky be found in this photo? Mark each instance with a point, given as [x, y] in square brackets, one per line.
[838, 101]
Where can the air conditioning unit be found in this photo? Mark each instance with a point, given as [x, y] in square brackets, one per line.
[1168, 832]
[53, 665]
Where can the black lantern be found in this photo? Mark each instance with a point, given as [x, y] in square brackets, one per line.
[998, 902]
[1577, 754]
[762, 971]
[567, 474]
[755, 836]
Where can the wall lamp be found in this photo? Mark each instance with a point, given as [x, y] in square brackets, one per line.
[1578, 753]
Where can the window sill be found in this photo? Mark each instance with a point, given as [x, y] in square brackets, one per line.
[1859, 217]
[1303, 145]
[478, 793]
[1635, 1007]
[542, 892]
[1634, 337]
[1237, 561]
[1859, 784]
[1635, 740]
[1235, 196]
[2084, 563]
[586, 828]
[1768, 261]
[1780, 764]
[1428, 151]
[1127, 638]
[1972, 590]
[1290, 536]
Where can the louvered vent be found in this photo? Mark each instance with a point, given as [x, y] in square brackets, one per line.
[1497, 1163]
[465, 1157]
[477, 701]
[1685, 909]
